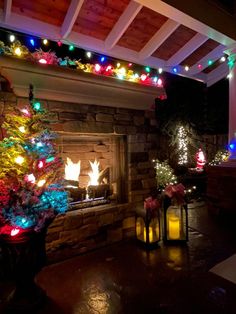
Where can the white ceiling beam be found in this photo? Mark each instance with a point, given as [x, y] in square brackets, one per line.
[7, 9]
[122, 24]
[213, 55]
[37, 28]
[129, 55]
[219, 73]
[31, 26]
[155, 42]
[71, 17]
[187, 49]
[182, 18]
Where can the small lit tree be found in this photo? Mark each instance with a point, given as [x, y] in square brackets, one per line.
[30, 193]
[164, 174]
[220, 156]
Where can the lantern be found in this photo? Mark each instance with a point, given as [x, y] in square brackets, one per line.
[175, 222]
[148, 226]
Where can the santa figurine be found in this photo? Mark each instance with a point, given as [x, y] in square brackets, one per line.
[200, 159]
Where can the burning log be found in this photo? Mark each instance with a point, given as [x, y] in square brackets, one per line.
[95, 191]
[75, 192]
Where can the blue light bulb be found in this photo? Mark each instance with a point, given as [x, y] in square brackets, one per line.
[32, 41]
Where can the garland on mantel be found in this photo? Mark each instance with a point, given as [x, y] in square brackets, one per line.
[119, 71]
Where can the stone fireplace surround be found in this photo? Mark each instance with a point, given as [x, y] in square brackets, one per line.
[82, 230]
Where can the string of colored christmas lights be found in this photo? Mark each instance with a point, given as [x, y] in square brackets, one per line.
[78, 58]
[38, 50]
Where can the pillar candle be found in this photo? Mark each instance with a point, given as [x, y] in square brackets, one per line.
[174, 227]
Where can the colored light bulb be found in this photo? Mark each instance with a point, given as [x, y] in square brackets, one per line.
[41, 183]
[223, 59]
[97, 67]
[25, 111]
[143, 77]
[32, 42]
[159, 82]
[42, 61]
[22, 129]
[59, 43]
[37, 106]
[71, 47]
[147, 69]
[30, 178]
[45, 41]
[14, 232]
[18, 51]
[209, 62]
[19, 160]
[102, 59]
[186, 68]
[12, 38]
[40, 164]
[160, 70]
[88, 54]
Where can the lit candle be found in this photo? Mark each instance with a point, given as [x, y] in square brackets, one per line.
[138, 228]
[174, 227]
[150, 233]
[157, 231]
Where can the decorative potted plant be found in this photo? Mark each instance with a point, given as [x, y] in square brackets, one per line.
[30, 196]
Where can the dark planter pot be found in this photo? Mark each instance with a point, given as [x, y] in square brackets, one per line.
[24, 256]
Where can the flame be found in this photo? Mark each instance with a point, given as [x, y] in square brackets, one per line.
[72, 170]
[94, 174]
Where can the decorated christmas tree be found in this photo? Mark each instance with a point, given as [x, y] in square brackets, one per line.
[164, 174]
[30, 190]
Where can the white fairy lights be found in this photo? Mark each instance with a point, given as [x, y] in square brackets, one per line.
[182, 146]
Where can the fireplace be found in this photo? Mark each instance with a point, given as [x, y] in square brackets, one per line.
[95, 168]
[103, 121]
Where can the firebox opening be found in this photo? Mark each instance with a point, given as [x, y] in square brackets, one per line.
[95, 168]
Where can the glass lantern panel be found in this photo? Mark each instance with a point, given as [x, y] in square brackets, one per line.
[154, 230]
[140, 229]
[176, 223]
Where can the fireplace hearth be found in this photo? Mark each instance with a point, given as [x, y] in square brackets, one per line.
[95, 168]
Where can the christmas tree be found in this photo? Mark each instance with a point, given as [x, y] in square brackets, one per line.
[30, 190]
[164, 174]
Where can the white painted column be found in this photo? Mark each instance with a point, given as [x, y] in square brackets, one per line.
[232, 99]
[232, 96]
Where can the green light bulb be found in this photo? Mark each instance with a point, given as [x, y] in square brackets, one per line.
[210, 62]
[71, 47]
[37, 106]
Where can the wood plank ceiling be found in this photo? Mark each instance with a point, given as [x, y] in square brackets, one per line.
[136, 31]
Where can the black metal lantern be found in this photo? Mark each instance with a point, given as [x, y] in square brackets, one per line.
[148, 227]
[175, 221]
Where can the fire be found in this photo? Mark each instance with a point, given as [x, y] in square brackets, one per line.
[94, 174]
[72, 170]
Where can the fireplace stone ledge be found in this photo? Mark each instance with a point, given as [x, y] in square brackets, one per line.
[86, 229]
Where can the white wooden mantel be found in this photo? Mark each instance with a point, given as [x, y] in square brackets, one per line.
[75, 86]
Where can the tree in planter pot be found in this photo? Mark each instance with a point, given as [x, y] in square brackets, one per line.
[30, 196]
